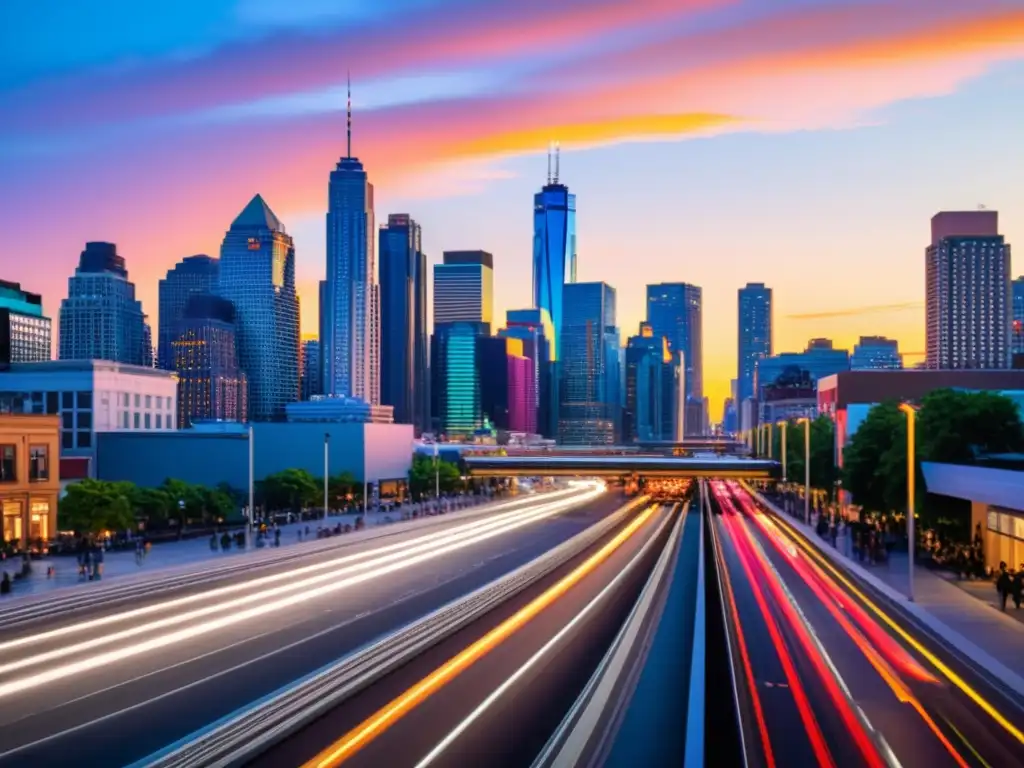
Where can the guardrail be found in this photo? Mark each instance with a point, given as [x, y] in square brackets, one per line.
[694, 757]
[243, 735]
[583, 734]
[133, 587]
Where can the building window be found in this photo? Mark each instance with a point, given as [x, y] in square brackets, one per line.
[51, 402]
[137, 399]
[84, 439]
[84, 420]
[147, 421]
[8, 464]
[67, 400]
[136, 419]
[38, 463]
[149, 401]
[67, 420]
[159, 421]
[124, 419]
[12, 521]
[67, 439]
[85, 400]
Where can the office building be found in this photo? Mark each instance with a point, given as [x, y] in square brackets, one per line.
[649, 388]
[507, 384]
[820, 359]
[457, 409]
[311, 367]
[554, 249]
[590, 379]
[350, 336]
[876, 353]
[29, 479]
[191, 276]
[92, 397]
[968, 299]
[211, 386]
[754, 304]
[534, 328]
[404, 382]
[1017, 326]
[24, 329]
[674, 312]
[257, 275]
[339, 410]
[101, 319]
[464, 289]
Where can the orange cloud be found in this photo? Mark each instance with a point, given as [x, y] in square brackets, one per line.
[858, 311]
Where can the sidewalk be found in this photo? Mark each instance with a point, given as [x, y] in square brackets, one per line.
[170, 555]
[965, 620]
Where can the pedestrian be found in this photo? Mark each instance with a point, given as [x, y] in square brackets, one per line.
[5, 584]
[1003, 585]
[1017, 587]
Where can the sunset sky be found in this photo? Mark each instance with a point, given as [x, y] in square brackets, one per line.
[800, 143]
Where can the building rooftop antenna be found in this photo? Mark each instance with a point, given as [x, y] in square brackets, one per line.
[348, 111]
[550, 148]
[556, 161]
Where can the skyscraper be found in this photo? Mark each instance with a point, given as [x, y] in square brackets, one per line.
[350, 339]
[101, 319]
[403, 322]
[24, 329]
[674, 311]
[507, 393]
[257, 275]
[754, 303]
[649, 409]
[1017, 328]
[589, 408]
[876, 353]
[211, 386]
[310, 383]
[190, 276]
[554, 258]
[463, 307]
[967, 274]
[533, 327]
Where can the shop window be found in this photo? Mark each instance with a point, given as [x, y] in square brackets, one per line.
[8, 464]
[38, 463]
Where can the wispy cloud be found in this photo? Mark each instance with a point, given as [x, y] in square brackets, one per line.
[872, 309]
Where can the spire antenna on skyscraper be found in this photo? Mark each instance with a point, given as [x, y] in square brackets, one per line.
[551, 147]
[348, 112]
[556, 161]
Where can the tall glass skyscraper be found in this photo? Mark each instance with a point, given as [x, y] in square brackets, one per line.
[650, 396]
[25, 331]
[554, 249]
[351, 333]
[257, 275]
[403, 322]
[755, 337]
[675, 312]
[590, 380]
[101, 319]
[190, 276]
[533, 327]
[310, 384]
[1017, 328]
[211, 386]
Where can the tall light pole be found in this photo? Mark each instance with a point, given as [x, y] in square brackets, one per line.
[768, 426]
[807, 469]
[782, 426]
[252, 489]
[911, 412]
[327, 471]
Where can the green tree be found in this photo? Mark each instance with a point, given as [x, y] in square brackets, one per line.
[340, 487]
[155, 505]
[955, 427]
[824, 473]
[870, 458]
[92, 506]
[290, 489]
[424, 474]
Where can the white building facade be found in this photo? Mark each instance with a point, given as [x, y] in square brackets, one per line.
[92, 396]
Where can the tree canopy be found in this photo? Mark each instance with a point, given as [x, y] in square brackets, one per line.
[425, 473]
[92, 506]
[823, 470]
[291, 489]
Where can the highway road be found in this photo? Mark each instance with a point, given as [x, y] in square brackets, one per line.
[836, 676]
[113, 683]
[494, 693]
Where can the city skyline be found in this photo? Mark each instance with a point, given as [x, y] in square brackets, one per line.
[899, 124]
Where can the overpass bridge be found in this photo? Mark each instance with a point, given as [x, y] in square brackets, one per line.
[619, 466]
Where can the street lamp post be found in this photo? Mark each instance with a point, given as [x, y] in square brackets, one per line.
[437, 476]
[327, 472]
[768, 427]
[911, 476]
[782, 426]
[252, 490]
[807, 469]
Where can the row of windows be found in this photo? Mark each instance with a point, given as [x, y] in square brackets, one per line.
[38, 463]
[138, 420]
[127, 399]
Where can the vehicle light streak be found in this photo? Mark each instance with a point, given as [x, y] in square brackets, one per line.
[809, 571]
[813, 730]
[937, 663]
[842, 705]
[741, 643]
[387, 716]
[250, 584]
[263, 607]
[897, 686]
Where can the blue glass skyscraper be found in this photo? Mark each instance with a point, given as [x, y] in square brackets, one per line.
[590, 381]
[257, 275]
[554, 249]
[191, 276]
[755, 337]
[403, 322]
[350, 342]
